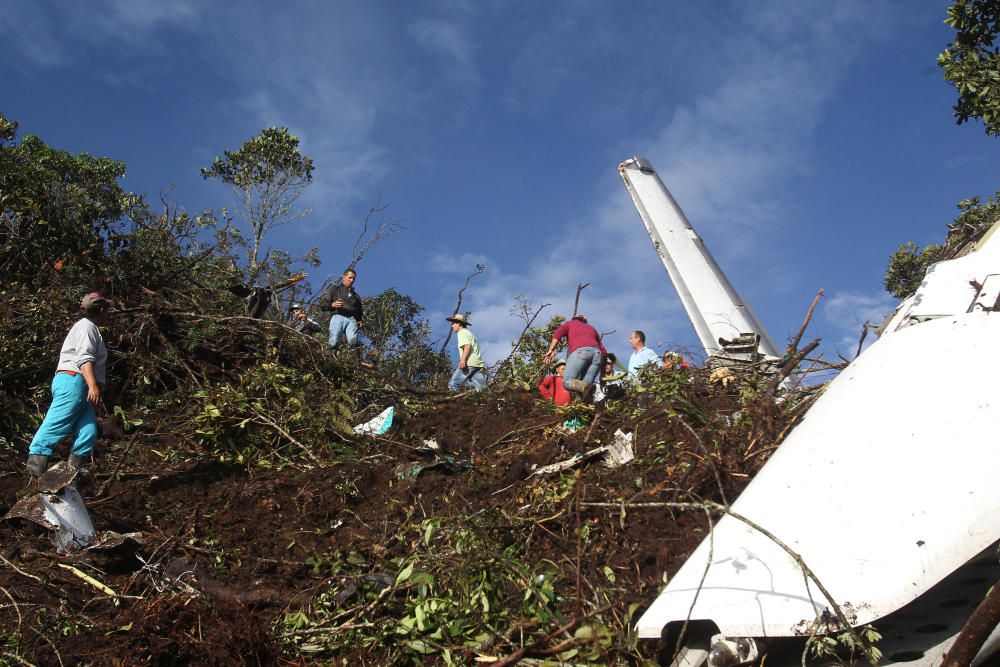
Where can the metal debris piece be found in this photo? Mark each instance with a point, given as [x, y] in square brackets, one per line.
[410, 471]
[63, 512]
[620, 451]
[377, 426]
[575, 460]
[109, 539]
[617, 453]
[57, 477]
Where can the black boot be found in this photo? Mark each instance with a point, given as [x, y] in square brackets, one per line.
[37, 464]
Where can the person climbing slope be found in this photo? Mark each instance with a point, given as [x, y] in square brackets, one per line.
[76, 388]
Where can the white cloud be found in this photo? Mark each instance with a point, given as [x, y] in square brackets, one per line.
[726, 157]
[451, 42]
[729, 156]
[52, 34]
[847, 312]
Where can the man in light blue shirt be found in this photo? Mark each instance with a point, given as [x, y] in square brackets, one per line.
[642, 355]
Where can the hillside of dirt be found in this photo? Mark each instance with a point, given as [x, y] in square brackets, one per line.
[390, 552]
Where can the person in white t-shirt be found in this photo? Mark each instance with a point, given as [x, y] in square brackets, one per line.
[76, 389]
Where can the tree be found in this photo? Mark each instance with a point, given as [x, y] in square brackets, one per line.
[56, 208]
[401, 338]
[907, 267]
[972, 64]
[527, 364]
[268, 174]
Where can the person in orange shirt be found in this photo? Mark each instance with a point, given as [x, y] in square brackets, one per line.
[551, 387]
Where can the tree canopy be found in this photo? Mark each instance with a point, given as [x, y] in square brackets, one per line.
[268, 173]
[971, 62]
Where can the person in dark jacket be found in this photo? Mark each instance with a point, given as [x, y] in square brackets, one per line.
[347, 316]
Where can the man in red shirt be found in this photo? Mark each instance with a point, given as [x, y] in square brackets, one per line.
[551, 387]
[586, 354]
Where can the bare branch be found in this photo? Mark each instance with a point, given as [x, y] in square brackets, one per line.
[576, 304]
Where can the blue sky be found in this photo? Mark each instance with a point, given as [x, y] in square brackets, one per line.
[804, 140]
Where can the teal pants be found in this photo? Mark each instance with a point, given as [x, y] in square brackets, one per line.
[70, 413]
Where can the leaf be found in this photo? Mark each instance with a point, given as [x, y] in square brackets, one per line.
[404, 574]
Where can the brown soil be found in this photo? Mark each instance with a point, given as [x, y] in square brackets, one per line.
[226, 549]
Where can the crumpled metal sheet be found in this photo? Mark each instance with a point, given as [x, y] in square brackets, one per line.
[62, 512]
[57, 478]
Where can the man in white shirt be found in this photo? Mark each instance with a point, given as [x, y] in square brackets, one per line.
[641, 355]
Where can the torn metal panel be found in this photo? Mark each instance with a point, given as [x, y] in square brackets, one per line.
[57, 477]
[62, 512]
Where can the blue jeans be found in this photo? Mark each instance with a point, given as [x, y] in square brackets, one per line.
[69, 413]
[341, 326]
[474, 376]
[584, 364]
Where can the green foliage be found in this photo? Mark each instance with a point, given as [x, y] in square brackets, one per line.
[859, 643]
[907, 267]
[269, 408]
[445, 602]
[974, 219]
[527, 365]
[908, 264]
[662, 385]
[395, 331]
[971, 63]
[267, 173]
[56, 208]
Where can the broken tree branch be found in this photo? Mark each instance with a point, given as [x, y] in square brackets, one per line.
[789, 368]
[576, 303]
[798, 337]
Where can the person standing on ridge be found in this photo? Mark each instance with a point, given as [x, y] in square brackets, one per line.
[76, 389]
[585, 356]
[348, 316]
[471, 368]
[642, 355]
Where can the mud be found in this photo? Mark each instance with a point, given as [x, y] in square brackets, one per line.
[229, 550]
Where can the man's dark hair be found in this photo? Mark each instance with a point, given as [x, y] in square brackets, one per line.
[611, 357]
[96, 309]
[350, 270]
[640, 335]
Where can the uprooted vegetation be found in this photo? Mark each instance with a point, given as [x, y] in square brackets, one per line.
[277, 547]
[272, 533]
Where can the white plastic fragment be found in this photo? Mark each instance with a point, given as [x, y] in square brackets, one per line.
[377, 426]
[620, 451]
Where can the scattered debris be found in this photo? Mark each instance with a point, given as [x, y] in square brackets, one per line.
[63, 512]
[620, 450]
[377, 426]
